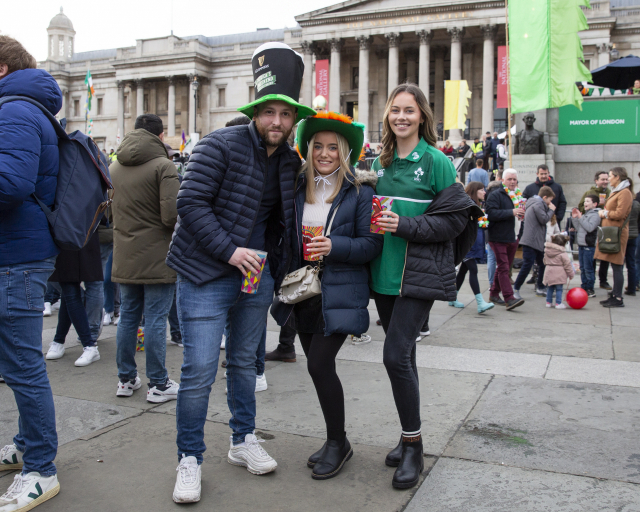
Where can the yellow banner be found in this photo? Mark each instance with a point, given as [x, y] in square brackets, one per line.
[456, 104]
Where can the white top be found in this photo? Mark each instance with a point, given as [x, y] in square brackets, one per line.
[318, 212]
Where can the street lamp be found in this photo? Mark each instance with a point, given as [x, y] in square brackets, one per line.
[196, 85]
[614, 53]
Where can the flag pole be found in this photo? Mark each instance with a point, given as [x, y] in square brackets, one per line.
[506, 17]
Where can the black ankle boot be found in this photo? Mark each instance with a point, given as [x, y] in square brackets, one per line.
[394, 456]
[332, 460]
[316, 456]
[410, 467]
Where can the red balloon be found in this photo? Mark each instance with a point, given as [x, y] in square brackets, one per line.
[577, 298]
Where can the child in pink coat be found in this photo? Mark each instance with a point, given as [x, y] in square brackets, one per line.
[558, 269]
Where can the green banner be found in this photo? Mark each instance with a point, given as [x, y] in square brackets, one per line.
[600, 122]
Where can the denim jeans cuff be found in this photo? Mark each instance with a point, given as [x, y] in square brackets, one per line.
[42, 473]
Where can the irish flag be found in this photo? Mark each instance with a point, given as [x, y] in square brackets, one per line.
[545, 53]
[90, 90]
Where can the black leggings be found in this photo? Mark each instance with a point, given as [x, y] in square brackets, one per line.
[402, 319]
[321, 352]
[618, 279]
[472, 267]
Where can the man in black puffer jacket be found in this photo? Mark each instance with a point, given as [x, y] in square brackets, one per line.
[236, 198]
[545, 180]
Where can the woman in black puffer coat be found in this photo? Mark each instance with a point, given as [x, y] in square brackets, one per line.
[329, 193]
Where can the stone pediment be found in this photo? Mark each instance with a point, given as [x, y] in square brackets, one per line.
[359, 10]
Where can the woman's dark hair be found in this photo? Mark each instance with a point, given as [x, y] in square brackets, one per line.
[427, 128]
[621, 173]
[559, 239]
[472, 190]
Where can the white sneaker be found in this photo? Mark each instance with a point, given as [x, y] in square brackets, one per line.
[116, 320]
[176, 342]
[107, 319]
[56, 350]
[1, 378]
[28, 491]
[160, 394]
[422, 335]
[89, 355]
[127, 388]
[222, 343]
[225, 375]
[47, 309]
[55, 306]
[261, 382]
[365, 338]
[10, 458]
[251, 456]
[187, 489]
[561, 306]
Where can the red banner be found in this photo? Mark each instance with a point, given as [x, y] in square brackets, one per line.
[322, 79]
[503, 77]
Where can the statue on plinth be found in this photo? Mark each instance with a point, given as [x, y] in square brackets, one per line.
[529, 141]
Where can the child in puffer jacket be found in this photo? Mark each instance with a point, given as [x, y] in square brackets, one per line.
[558, 269]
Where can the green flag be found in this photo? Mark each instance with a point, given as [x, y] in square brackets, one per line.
[545, 53]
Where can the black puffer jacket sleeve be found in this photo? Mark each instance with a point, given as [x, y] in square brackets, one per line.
[200, 185]
[427, 229]
[495, 209]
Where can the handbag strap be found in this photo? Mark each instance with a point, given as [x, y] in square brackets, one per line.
[331, 221]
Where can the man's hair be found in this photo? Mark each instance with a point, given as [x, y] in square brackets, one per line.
[479, 162]
[464, 140]
[150, 122]
[559, 240]
[488, 133]
[13, 54]
[500, 141]
[238, 121]
[546, 192]
[509, 171]
[542, 167]
[602, 172]
[499, 174]
[594, 198]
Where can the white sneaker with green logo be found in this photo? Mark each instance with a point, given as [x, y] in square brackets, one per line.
[28, 491]
[10, 458]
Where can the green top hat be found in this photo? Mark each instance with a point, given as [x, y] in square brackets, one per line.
[331, 122]
[277, 75]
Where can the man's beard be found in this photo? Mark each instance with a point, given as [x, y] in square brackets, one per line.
[271, 139]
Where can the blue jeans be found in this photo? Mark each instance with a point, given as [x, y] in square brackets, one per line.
[111, 289]
[558, 290]
[174, 321]
[155, 301]
[630, 262]
[72, 311]
[529, 257]
[491, 263]
[262, 348]
[22, 289]
[587, 267]
[203, 311]
[93, 303]
[52, 294]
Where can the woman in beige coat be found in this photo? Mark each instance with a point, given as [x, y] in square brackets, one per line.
[615, 212]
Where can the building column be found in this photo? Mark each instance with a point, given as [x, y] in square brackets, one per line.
[412, 69]
[65, 103]
[604, 57]
[438, 96]
[139, 97]
[467, 74]
[394, 39]
[363, 83]
[334, 75]
[307, 79]
[488, 76]
[171, 107]
[193, 90]
[423, 60]
[120, 125]
[456, 34]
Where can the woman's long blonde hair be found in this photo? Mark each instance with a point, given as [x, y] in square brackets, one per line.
[427, 128]
[308, 170]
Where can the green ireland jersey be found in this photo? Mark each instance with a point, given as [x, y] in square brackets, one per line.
[412, 182]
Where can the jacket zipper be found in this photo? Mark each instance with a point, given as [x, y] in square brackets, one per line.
[264, 185]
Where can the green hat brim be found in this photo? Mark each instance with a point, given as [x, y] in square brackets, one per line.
[352, 132]
[303, 111]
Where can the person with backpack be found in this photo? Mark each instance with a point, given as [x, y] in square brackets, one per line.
[29, 164]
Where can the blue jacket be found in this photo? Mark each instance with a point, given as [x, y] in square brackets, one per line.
[28, 164]
[218, 203]
[478, 247]
[345, 278]
[478, 174]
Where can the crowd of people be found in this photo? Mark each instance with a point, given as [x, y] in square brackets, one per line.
[212, 251]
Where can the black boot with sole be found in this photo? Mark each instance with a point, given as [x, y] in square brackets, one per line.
[332, 460]
[411, 464]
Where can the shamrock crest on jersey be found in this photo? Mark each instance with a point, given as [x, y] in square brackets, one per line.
[418, 172]
[415, 155]
[380, 173]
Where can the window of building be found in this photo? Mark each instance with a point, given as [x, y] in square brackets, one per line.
[100, 104]
[252, 93]
[222, 97]
[126, 103]
[355, 77]
[76, 108]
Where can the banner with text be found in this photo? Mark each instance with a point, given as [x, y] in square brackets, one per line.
[600, 122]
[322, 78]
[503, 78]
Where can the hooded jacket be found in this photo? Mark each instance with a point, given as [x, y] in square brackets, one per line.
[144, 211]
[345, 278]
[558, 267]
[438, 241]
[28, 164]
[536, 216]
[586, 228]
[560, 201]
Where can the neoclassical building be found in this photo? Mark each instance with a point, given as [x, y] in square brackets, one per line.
[196, 83]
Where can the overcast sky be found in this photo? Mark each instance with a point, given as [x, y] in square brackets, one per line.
[115, 23]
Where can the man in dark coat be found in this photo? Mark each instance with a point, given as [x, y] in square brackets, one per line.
[29, 165]
[236, 202]
[545, 180]
[502, 237]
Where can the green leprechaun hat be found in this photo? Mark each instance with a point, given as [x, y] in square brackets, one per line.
[331, 122]
[277, 75]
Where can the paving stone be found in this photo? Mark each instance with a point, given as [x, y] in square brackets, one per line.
[462, 486]
[626, 343]
[615, 373]
[580, 429]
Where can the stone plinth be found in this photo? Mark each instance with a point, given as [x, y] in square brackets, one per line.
[526, 165]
